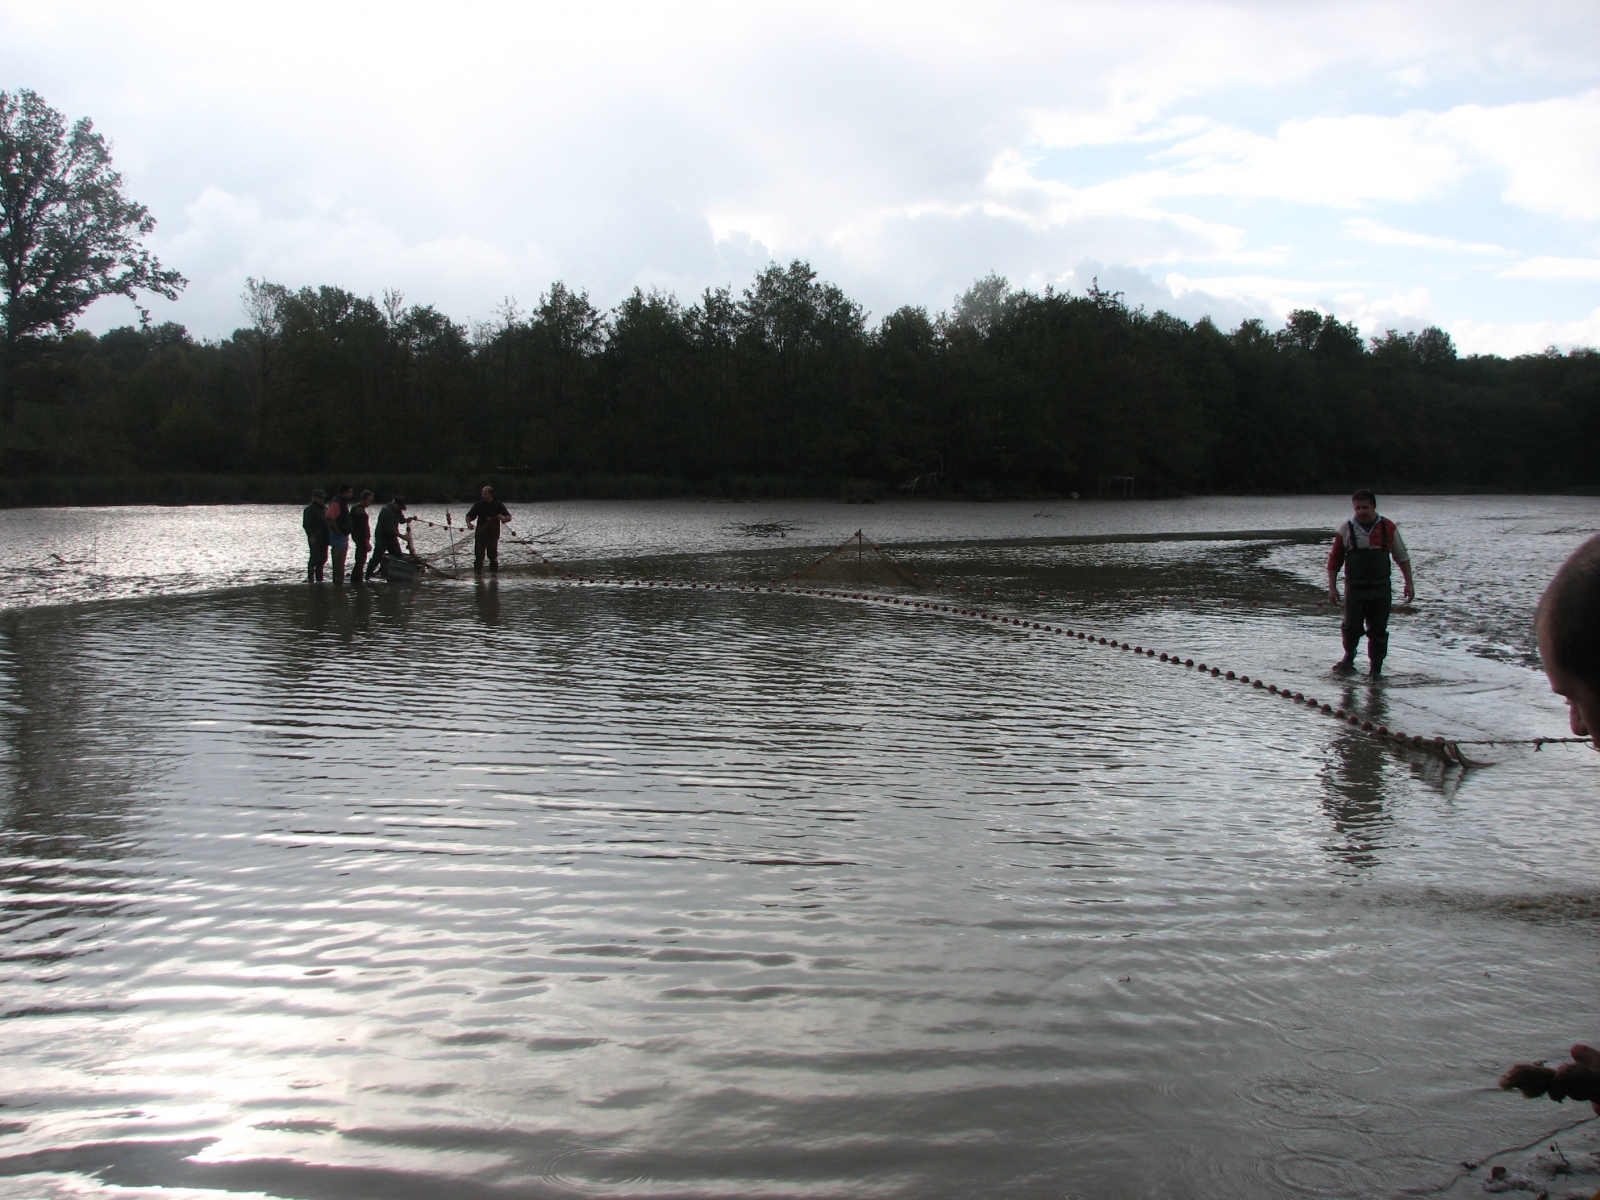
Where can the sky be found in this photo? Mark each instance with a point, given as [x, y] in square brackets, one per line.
[1398, 165]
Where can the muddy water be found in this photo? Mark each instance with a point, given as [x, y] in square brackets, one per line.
[526, 889]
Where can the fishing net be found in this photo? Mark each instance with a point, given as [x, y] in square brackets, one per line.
[447, 550]
[858, 562]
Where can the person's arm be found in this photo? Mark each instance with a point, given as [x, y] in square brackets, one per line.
[505, 515]
[1402, 559]
[1335, 561]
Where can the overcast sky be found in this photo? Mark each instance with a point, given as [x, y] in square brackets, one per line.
[1397, 164]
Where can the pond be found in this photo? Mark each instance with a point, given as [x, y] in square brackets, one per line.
[529, 887]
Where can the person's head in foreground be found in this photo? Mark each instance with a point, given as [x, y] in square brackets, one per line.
[1365, 505]
[1568, 625]
[487, 493]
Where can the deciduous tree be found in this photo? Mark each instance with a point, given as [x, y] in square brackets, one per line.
[68, 232]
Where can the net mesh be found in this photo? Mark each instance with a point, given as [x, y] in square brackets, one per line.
[447, 551]
[859, 562]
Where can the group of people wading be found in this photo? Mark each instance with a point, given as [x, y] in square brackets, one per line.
[334, 524]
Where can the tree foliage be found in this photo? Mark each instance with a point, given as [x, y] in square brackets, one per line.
[1008, 392]
[68, 233]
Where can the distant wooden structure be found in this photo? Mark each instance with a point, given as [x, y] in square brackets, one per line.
[1116, 487]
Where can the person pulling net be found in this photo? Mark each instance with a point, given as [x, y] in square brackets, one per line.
[516, 553]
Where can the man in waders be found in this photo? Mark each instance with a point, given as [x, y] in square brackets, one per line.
[387, 535]
[1363, 546]
[489, 514]
[340, 525]
[316, 527]
[361, 535]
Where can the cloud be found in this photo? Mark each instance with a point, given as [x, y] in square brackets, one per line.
[1336, 161]
[235, 237]
[1524, 337]
[1408, 311]
[1265, 294]
[1274, 299]
[1548, 151]
[1277, 153]
[1550, 269]
[1378, 234]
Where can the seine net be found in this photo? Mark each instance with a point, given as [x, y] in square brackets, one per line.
[858, 562]
[447, 550]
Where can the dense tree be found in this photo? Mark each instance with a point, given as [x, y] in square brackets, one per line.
[68, 233]
[784, 384]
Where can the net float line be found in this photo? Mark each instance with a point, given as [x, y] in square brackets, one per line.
[1448, 749]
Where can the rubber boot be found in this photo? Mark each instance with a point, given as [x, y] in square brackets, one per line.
[1348, 662]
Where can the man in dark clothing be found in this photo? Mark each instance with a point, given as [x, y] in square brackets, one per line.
[361, 535]
[386, 537]
[1363, 546]
[489, 514]
[316, 527]
[337, 515]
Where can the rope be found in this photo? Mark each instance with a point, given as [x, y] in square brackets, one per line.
[1468, 1167]
[1445, 748]
[1537, 742]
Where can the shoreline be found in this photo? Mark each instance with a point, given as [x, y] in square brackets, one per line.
[190, 489]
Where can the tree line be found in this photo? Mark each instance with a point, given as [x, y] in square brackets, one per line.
[1007, 392]
[786, 386]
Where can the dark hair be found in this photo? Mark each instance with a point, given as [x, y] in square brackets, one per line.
[1364, 494]
[343, 488]
[1569, 614]
[398, 502]
[367, 496]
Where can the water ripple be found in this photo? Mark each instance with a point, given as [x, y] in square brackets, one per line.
[532, 890]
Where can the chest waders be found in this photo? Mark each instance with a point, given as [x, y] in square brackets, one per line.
[486, 543]
[1367, 598]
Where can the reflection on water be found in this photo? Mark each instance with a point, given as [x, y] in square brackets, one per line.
[487, 595]
[516, 889]
[1354, 799]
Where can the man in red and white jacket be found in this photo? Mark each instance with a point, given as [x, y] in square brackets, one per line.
[1363, 546]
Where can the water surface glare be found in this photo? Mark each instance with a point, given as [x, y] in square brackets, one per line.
[532, 890]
